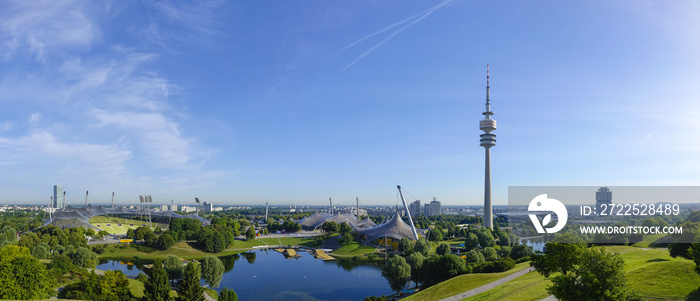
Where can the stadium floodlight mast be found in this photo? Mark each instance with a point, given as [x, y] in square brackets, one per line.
[198, 204]
[144, 200]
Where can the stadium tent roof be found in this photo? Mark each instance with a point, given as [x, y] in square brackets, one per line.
[312, 222]
[344, 218]
[366, 223]
[394, 228]
[80, 216]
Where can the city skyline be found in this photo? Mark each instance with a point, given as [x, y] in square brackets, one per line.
[236, 103]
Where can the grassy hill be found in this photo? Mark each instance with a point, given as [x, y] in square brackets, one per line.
[651, 271]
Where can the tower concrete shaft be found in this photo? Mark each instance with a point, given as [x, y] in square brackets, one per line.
[488, 140]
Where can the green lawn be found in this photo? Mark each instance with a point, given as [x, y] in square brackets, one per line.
[462, 283]
[531, 286]
[651, 271]
[353, 249]
[187, 250]
[649, 239]
[657, 275]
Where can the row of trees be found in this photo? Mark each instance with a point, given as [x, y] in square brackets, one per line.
[157, 286]
[288, 226]
[419, 266]
[213, 238]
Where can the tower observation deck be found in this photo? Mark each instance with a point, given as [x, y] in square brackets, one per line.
[488, 140]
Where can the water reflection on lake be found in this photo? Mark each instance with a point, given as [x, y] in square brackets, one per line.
[267, 275]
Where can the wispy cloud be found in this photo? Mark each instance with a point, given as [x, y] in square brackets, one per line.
[41, 26]
[88, 114]
[43, 146]
[412, 20]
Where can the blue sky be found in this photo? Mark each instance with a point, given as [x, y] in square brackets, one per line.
[298, 101]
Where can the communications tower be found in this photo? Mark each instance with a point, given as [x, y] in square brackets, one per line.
[488, 140]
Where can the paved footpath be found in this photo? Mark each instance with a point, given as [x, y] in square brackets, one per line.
[488, 286]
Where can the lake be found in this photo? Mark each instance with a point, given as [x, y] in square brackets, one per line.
[267, 275]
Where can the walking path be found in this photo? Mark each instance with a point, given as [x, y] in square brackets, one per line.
[488, 286]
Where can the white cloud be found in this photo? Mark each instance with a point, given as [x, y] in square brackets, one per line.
[34, 118]
[43, 26]
[42, 146]
[159, 136]
[6, 126]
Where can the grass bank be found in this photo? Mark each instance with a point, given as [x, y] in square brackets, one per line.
[462, 283]
[188, 250]
[651, 271]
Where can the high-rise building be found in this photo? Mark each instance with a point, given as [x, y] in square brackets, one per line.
[208, 207]
[173, 207]
[603, 196]
[488, 140]
[433, 209]
[415, 208]
[58, 201]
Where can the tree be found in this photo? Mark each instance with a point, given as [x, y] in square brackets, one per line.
[345, 228]
[165, 241]
[597, 275]
[504, 252]
[250, 234]
[157, 287]
[397, 272]
[442, 249]
[485, 239]
[190, 290]
[215, 242]
[474, 256]
[227, 295]
[140, 232]
[41, 251]
[405, 246]
[521, 251]
[435, 234]
[440, 268]
[503, 239]
[330, 227]
[557, 258]
[130, 233]
[471, 242]
[61, 264]
[173, 266]
[212, 270]
[489, 254]
[23, 276]
[150, 239]
[415, 260]
[82, 256]
[112, 286]
[422, 246]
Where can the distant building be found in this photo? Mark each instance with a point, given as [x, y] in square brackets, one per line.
[188, 209]
[603, 196]
[208, 207]
[58, 201]
[433, 209]
[163, 208]
[173, 207]
[415, 208]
